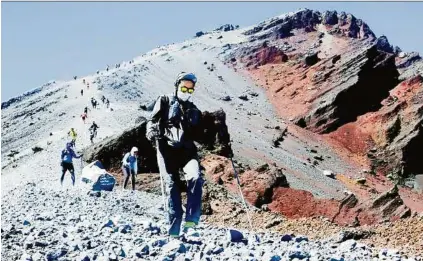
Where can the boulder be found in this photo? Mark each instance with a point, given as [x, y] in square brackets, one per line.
[257, 185]
[212, 135]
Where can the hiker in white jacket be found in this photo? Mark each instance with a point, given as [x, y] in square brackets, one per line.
[130, 166]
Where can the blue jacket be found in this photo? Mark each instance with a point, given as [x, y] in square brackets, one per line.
[68, 154]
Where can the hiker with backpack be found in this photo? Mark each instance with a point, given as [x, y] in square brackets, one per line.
[107, 103]
[172, 125]
[93, 131]
[66, 162]
[130, 167]
[72, 133]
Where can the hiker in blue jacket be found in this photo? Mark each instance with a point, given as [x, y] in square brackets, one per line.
[130, 166]
[66, 163]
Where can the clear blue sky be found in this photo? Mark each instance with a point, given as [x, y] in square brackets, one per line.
[42, 41]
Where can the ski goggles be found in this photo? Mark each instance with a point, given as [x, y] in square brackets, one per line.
[186, 86]
[186, 90]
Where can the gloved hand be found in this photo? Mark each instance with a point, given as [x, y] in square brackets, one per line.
[153, 131]
[152, 134]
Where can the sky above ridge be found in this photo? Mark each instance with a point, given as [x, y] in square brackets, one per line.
[44, 41]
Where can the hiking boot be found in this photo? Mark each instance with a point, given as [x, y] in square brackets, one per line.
[190, 229]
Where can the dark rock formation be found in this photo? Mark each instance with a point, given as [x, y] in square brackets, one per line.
[311, 59]
[198, 34]
[371, 72]
[342, 24]
[226, 28]
[212, 137]
[383, 44]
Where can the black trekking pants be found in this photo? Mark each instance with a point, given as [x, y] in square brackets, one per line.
[128, 172]
[65, 167]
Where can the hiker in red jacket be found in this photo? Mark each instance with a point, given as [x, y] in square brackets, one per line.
[83, 116]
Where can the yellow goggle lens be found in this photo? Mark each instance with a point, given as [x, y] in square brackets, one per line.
[185, 89]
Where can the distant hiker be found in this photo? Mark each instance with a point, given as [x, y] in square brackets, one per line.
[107, 69]
[83, 116]
[172, 124]
[88, 85]
[98, 71]
[74, 77]
[93, 102]
[130, 167]
[93, 131]
[86, 110]
[103, 98]
[66, 162]
[107, 103]
[83, 81]
[82, 92]
[73, 135]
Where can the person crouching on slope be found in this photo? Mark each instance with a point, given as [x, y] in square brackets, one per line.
[173, 123]
[130, 166]
[67, 155]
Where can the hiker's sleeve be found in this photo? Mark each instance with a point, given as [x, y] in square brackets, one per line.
[153, 124]
[125, 159]
[74, 155]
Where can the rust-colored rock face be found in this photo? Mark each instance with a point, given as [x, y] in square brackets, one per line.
[337, 78]
[328, 73]
[267, 185]
[395, 130]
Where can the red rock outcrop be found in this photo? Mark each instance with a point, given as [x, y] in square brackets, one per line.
[338, 78]
[267, 185]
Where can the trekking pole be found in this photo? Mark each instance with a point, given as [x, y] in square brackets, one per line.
[242, 196]
[159, 157]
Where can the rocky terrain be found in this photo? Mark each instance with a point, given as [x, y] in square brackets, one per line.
[329, 73]
[324, 118]
[59, 224]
